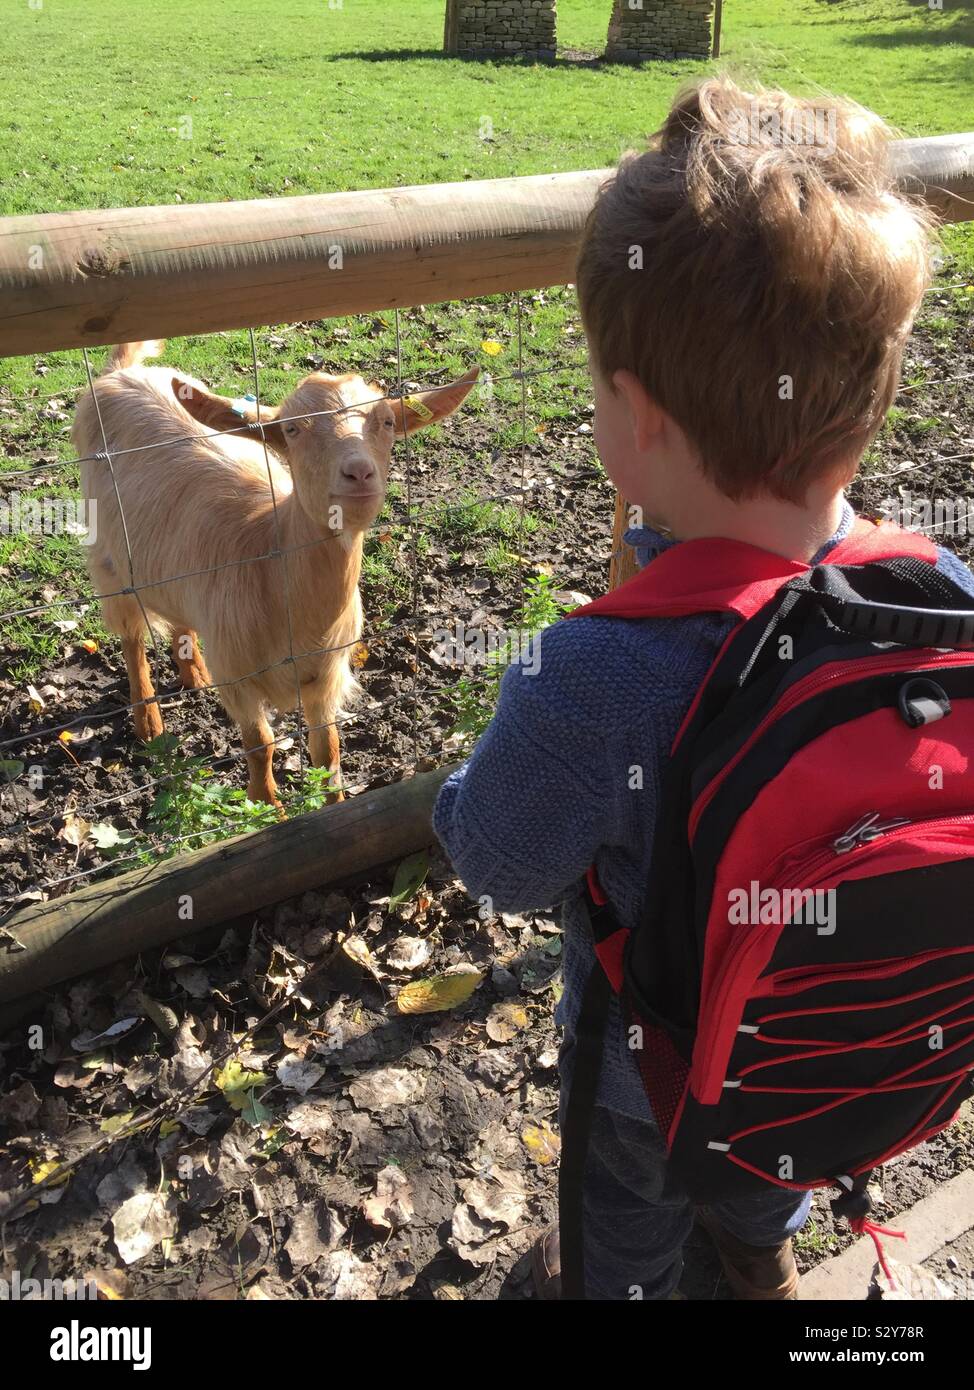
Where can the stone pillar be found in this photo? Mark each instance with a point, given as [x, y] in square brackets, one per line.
[642, 29]
[500, 28]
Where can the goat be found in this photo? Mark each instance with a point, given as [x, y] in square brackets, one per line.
[199, 507]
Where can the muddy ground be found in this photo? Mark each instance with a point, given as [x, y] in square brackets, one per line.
[342, 1148]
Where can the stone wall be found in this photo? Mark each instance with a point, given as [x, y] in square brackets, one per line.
[491, 28]
[660, 29]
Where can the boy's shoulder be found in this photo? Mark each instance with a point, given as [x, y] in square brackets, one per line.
[609, 671]
[954, 568]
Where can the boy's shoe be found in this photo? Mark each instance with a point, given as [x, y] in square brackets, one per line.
[546, 1268]
[546, 1265]
[753, 1271]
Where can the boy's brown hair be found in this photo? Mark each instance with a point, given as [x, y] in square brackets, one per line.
[759, 239]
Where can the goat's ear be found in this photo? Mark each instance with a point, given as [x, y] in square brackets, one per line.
[219, 413]
[427, 407]
[215, 411]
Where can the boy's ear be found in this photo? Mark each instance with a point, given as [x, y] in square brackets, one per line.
[218, 412]
[428, 407]
[646, 416]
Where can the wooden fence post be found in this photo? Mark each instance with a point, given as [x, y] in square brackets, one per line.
[622, 565]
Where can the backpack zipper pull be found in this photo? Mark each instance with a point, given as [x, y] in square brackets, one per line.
[866, 829]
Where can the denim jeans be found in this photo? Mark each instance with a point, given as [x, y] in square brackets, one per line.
[635, 1216]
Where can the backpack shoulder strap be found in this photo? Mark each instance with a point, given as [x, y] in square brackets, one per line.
[715, 575]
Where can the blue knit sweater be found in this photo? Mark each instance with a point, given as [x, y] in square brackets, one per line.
[549, 788]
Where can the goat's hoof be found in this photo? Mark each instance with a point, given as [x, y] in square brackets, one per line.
[267, 795]
[148, 723]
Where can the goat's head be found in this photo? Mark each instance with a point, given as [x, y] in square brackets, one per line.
[336, 434]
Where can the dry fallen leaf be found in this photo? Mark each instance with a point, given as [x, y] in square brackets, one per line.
[541, 1142]
[387, 1086]
[408, 953]
[490, 1209]
[295, 1074]
[392, 1205]
[75, 830]
[311, 1120]
[112, 1284]
[438, 993]
[141, 1223]
[107, 1037]
[506, 1020]
[356, 950]
[911, 1284]
[348, 1278]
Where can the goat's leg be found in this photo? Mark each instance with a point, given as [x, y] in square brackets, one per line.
[258, 741]
[188, 657]
[123, 616]
[323, 742]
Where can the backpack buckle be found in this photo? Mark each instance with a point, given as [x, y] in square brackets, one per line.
[922, 701]
[854, 1202]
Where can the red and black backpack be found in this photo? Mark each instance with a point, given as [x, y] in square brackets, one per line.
[799, 991]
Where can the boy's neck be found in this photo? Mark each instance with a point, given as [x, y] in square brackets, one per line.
[798, 533]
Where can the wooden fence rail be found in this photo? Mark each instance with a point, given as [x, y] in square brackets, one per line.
[87, 278]
[79, 279]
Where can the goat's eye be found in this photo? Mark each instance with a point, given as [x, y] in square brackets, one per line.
[290, 429]
[390, 424]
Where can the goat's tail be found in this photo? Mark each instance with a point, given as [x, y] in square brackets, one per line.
[131, 354]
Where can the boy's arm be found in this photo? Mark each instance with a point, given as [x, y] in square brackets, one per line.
[522, 819]
[954, 568]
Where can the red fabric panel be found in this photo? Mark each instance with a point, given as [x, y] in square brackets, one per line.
[610, 953]
[715, 575]
[832, 772]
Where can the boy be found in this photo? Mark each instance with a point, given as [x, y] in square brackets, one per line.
[747, 296]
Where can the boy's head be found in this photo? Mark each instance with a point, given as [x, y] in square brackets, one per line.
[747, 286]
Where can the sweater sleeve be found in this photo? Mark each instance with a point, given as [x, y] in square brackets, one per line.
[954, 568]
[522, 819]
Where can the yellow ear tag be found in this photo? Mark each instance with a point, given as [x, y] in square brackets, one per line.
[421, 409]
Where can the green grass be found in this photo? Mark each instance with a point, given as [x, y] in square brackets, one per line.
[472, 697]
[115, 104]
[469, 518]
[299, 97]
[814, 1241]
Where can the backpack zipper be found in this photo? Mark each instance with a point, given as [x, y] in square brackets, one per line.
[812, 875]
[834, 848]
[865, 830]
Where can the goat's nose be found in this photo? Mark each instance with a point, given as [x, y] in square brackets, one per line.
[360, 470]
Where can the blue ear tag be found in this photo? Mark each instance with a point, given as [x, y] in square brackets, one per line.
[239, 407]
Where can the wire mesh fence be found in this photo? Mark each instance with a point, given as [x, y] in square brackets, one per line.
[81, 798]
[492, 526]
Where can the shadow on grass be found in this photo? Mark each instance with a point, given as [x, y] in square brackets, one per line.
[565, 58]
[939, 33]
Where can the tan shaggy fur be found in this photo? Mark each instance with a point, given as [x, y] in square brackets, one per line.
[205, 501]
